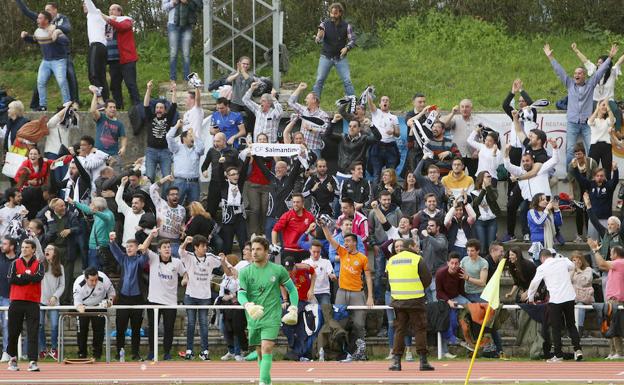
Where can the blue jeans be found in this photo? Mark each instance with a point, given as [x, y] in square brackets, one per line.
[53, 316]
[323, 298]
[155, 156]
[342, 67]
[189, 191]
[179, 37]
[486, 232]
[4, 322]
[383, 156]
[93, 259]
[459, 250]
[573, 131]
[391, 318]
[268, 227]
[380, 269]
[296, 334]
[430, 292]
[191, 316]
[46, 69]
[460, 300]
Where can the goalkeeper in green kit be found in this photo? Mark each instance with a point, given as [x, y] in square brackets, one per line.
[260, 295]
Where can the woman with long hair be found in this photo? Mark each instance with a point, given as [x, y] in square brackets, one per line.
[52, 288]
[410, 195]
[522, 272]
[543, 219]
[582, 277]
[201, 223]
[484, 202]
[602, 124]
[33, 171]
[389, 182]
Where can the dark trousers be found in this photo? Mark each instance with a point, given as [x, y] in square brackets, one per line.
[72, 81]
[96, 62]
[18, 312]
[128, 74]
[134, 316]
[68, 269]
[414, 320]
[296, 334]
[516, 204]
[581, 218]
[384, 155]
[168, 316]
[97, 325]
[238, 227]
[561, 314]
[602, 154]
[214, 197]
[234, 324]
[472, 165]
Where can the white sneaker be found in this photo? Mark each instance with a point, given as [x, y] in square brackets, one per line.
[609, 357]
[555, 359]
[238, 357]
[5, 357]
[527, 238]
[13, 365]
[228, 357]
[33, 367]
[409, 357]
[390, 356]
[616, 357]
[449, 356]
[578, 355]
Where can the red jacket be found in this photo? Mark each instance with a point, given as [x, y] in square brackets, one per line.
[40, 178]
[25, 279]
[292, 226]
[125, 39]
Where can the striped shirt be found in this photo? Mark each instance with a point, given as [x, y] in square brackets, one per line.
[313, 135]
[266, 122]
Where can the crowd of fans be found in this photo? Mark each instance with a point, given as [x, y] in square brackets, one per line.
[140, 231]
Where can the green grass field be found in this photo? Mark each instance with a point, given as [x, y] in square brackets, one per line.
[445, 57]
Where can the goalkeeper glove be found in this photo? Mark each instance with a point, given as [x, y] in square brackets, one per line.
[290, 318]
[255, 311]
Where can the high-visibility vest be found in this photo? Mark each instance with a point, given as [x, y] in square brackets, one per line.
[403, 276]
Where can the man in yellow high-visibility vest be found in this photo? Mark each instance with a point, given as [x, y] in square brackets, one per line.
[408, 277]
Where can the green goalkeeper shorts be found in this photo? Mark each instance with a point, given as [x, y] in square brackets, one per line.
[265, 333]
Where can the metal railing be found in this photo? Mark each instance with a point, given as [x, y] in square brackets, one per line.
[157, 308]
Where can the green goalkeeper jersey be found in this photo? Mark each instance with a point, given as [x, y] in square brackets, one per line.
[262, 286]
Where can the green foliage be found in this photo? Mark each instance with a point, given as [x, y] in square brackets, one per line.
[451, 57]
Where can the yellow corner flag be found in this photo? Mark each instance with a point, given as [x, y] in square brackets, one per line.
[491, 294]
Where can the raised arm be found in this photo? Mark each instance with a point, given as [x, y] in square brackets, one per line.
[93, 109]
[330, 238]
[26, 11]
[148, 94]
[579, 54]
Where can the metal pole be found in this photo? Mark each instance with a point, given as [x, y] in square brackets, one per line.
[276, 44]
[155, 331]
[207, 43]
[108, 341]
[439, 346]
[19, 347]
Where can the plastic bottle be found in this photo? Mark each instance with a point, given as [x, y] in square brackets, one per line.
[321, 354]
[122, 355]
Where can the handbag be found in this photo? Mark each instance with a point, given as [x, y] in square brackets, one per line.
[585, 295]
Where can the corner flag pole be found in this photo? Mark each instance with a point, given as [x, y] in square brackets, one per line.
[476, 350]
[491, 293]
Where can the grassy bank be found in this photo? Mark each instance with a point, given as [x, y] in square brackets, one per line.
[445, 57]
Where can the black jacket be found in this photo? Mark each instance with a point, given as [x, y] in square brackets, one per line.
[280, 189]
[218, 169]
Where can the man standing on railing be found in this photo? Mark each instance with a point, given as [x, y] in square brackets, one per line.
[408, 277]
[25, 275]
[555, 272]
[93, 288]
[260, 294]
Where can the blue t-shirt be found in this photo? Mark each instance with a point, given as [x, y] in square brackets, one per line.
[228, 124]
[107, 134]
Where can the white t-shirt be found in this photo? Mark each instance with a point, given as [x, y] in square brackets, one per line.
[131, 220]
[199, 272]
[58, 135]
[606, 90]
[96, 26]
[163, 279]
[384, 121]
[488, 161]
[240, 265]
[7, 214]
[193, 118]
[600, 130]
[322, 268]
